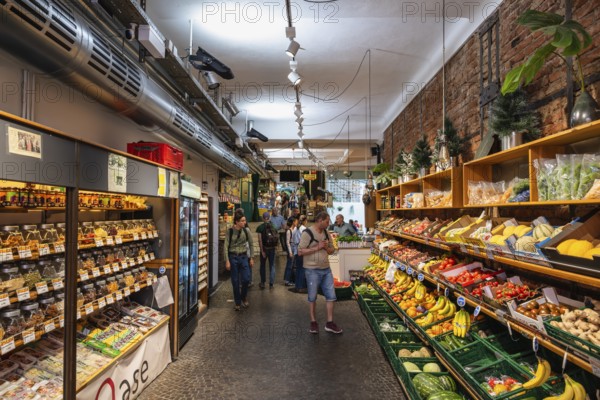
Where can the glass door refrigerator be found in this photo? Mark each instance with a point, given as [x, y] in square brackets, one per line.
[188, 262]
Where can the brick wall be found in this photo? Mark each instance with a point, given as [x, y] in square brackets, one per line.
[546, 92]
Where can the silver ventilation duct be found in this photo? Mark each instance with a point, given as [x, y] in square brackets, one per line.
[57, 40]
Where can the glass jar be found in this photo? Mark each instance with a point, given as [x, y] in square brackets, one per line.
[32, 235]
[12, 197]
[40, 197]
[89, 293]
[59, 297]
[120, 280]
[30, 274]
[150, 224]
[10, 278]
[99, 258]
[87, 229]
[119, 255]
[109, 255]
[48, 233]
[143, 274]
[11, 236]
[111, 284]
[100, 229]
[23, 197]
[59, 264]
[127, 252]
[61, 230]
[12, 321]
[101, 289]
[119, 228]
[47, 269]
[104, 200]
[111, 228]
[80, 298]
[136, 274]
[128, 279]
[32, 315]
[61, 198]
[49, 307]
[88, 261]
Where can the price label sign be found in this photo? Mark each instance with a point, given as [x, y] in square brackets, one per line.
[99, 242]
[25, 252]
[476, 251]
[84, 276]
[102, 302]
[23, 294]
[110, 299]
[61, 321]
[119, 295]
[44, 249]
[146, 257]
[410, 271]
[461, 301]
[427, 241]
[144, 236]
[6, 255]
[421, 277]
[49, 326]
[7, 345]
[89, 309]
[126, 292]
[41, 287]
[463, 248]
[595, 363]
[28, 336]
[490, 254]
[4, 300]
[78, 314]
[446, 292]
[131, 262]
[149, 282]
[155, 234]
[59, 248]
[403, 267]
[477, 311]
[95, 272]
[118, 240]
[109, 241]
[115, 267]
[535, 344]
[57, 284]
[152, 257]
[124, 264]
[136, 236]
[107, 270]
[140, 259]
[136, 287]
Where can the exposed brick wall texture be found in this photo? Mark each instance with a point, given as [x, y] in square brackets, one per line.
[462, 80]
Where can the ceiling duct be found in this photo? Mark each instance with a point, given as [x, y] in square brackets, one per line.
[57, 40]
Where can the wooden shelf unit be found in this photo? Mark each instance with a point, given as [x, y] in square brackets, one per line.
[203, 225]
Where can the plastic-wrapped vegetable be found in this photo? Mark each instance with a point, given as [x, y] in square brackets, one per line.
[590, 171]
[563, 176]
[546, 168]
[576, 161]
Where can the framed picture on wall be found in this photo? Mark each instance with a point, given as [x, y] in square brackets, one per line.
[24, 143]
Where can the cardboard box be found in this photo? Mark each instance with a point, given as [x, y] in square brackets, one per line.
[462, 222]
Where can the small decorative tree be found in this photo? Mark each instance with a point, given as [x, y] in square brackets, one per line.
[404, 164]
[511, 113]
[421, 155]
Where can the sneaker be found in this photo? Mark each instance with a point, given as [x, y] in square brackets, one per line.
[314, 327]
[303, 290]
[261, 285]
[332, 327]
[290, 284]
[236, 308]
[245, 303]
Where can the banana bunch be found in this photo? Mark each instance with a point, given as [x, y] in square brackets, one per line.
[461, 323]
[420, 291]
[442, 301]
[573, 391]
[426, 320]
[400, 277]
[412, 288]
[448, 310]
[542, 373]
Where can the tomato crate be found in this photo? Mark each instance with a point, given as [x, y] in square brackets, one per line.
[160, 153]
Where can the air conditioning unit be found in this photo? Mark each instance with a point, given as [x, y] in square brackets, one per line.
[150, 39]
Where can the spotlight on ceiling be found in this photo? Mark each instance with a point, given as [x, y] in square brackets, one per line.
[253, 133]
[230, 105]
[203, 61]
[294, 78]
[293, 48]
[211, 80]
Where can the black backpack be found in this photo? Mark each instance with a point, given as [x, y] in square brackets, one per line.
[269, 236]
[312, 237]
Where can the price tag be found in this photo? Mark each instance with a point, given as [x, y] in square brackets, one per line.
[476, 250]
[490, 254]
[410, 271]
[535, 344]
[144, 236]
[84, 276]
[509, 328]
[118, 240]
[23, 294]
[61, 321]
[4, 300]
[463, 248]
[89, 309]
[119, 295]
[24, 252]
[136, 287]
[28, 336]
[107, 270]
[115, 267]
[595, 366]
[149, 282]
[59, 248]
[140, 259]
[154, 279]
[109, 241]
[403, 267]
[44, 249]
[146, 257]
[136, 236]
[126, 292]
[57, 284]
[421, 277]
[99, 242]
[78, 314]
[110, 299]
[564, 363]
[41, 287]
[6, 255]
[102, 302]
[131, 262]
[438, 287]
[446, 292]
[95, 272]
[7, 345]
[49, 326]
[477, 311]
[461, 301]
[124, 265]
[155, 234]
[152, 256]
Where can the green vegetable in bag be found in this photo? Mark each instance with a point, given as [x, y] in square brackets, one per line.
[590, 171]
[576, 160]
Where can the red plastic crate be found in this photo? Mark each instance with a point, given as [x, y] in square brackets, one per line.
[160, 153]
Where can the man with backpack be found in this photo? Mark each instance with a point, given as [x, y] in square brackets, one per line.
[268, 239]
[237, 242]
[315, 247]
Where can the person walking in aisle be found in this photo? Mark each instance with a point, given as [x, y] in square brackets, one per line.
[292, 222]
[241, 212]
[237, 242]
[316, 247]
[300, 280]
[267, 241]
[279, 223]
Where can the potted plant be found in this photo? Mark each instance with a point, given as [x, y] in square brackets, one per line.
[568, 39]
[384, 174]
[404, 166]
[513, 121]
[421, 156]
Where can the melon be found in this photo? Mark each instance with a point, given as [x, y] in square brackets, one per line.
[425, 351]
[427, 384]
[509, 230]
[447, 382]
[411, 367]
[431, 367]
[563, 247]
[556, 232]
[521, 230]
[526, 243]
[579, 248]
[416, 353]
[404, 353]
[542, 230]
[592, 252]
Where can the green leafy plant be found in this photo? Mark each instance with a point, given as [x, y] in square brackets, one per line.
[421, 154]
[404, 164]
[511, 113]
[385, 173]
[568, 39]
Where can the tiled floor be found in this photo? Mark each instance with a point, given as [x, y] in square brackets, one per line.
[266, 352]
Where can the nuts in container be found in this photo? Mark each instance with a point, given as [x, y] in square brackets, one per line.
[10, 278]
[12, 321]
[32, 315]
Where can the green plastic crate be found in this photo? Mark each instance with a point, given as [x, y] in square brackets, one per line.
[582, 345]
[420, 362]
[507, 345]
[498, 369]
[474, 357]
[437, 341]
